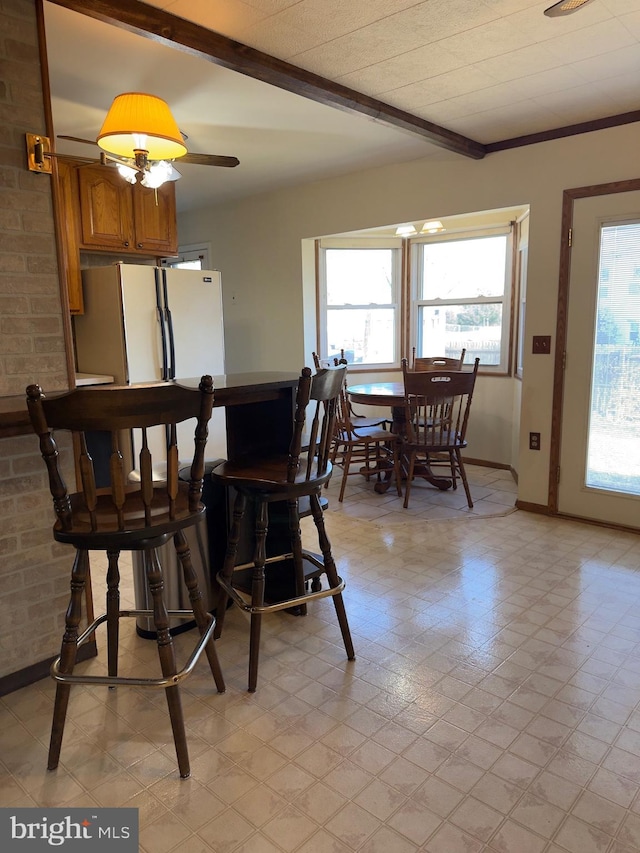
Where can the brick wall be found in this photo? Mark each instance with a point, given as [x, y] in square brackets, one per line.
[31, 332]
[34, 571]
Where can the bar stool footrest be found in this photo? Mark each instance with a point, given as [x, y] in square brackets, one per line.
[113, 680]
[238, 591]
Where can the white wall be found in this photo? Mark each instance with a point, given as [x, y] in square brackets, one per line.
[257, 245]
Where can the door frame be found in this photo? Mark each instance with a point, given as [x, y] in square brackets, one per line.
[569, 197]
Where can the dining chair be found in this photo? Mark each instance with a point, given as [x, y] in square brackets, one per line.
[267, 482]
[372, 448]
[437, 405]
[121, 516]
[359, 420]
[437, 362]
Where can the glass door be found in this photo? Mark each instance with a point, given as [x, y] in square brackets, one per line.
[600, 445]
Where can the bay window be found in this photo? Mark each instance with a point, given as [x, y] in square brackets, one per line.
[381, 297]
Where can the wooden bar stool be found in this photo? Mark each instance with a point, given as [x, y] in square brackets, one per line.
[121, 517]
[287, 479]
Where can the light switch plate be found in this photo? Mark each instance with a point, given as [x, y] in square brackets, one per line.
[542, 344]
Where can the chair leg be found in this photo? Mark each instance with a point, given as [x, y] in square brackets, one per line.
[257, 590]
[332, 574]
[113, 609]
[195, 597]
[166, 653]
[412, 464]
[367, 459]
[463, 477]
[222, 599]
[397, 467]
[68, 654]
[296, 550]
[452, 464]
[346, 464]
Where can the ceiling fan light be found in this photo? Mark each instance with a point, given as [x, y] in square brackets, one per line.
[406, 230]
[564, 7]
[139, 122]
[433, 226]
[158, 173]
[127, 172]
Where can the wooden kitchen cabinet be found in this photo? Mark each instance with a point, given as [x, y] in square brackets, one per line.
[123, 217]
[154, 219]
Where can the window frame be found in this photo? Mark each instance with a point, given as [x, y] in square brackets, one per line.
[521, 275]
[506, 301]
[396, 246]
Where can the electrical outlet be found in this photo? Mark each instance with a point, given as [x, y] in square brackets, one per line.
[534, 441]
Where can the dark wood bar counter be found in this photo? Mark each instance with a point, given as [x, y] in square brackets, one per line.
[232, 389]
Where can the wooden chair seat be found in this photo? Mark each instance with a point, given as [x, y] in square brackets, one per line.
[270, 475]
[127, 517]
[138, 531]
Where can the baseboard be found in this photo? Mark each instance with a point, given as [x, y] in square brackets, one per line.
[541, 509]
[469, 461]
[608, 524]
[38, 671]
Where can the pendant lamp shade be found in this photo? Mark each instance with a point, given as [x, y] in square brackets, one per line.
[139, 122]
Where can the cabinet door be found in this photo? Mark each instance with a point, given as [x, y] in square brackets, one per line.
[154, 214]
[106, 209]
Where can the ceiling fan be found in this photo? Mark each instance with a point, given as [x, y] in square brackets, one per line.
[141, 137]
[565, 7]
[189, 157]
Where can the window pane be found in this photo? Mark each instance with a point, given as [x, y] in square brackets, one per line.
[359, 276]
[613, 461]
[445, 330]
[186, 265]
[464, 269]
[366, 335]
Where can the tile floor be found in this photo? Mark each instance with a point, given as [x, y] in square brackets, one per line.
[494, 704]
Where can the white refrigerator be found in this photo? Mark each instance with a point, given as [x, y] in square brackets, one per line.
[146, 324]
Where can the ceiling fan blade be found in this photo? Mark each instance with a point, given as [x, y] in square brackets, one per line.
[77, 139]
[565, 7]
[209, 160]
[190, 157]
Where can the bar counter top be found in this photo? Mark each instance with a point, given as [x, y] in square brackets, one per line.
[229, 390]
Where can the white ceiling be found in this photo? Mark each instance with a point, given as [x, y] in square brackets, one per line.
[487, 69]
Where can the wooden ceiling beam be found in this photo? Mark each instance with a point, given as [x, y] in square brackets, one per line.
[167, 29]
[567, 130]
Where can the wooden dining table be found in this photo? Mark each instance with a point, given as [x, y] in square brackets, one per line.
[391, 395]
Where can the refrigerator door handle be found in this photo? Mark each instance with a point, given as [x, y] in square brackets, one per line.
[172, 348]
[163, 330]
[169, 321]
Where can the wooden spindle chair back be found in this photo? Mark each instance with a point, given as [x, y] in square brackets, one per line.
[437, 406]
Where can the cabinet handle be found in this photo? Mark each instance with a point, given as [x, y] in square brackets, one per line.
[139, 245]
[126, 243]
